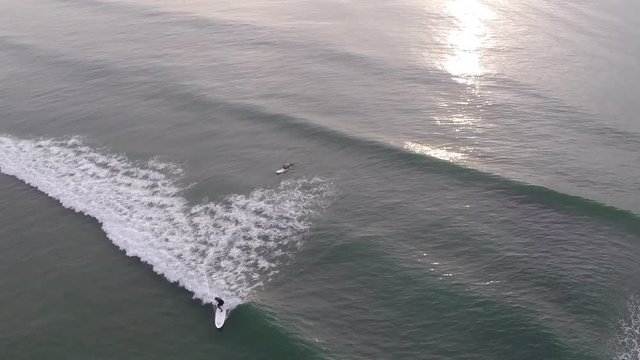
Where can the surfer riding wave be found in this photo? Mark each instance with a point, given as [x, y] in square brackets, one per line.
[219, 303]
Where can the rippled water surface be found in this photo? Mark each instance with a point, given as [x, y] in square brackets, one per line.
[466, 180]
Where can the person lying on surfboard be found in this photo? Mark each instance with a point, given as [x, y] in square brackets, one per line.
[219, 302]
[285, 168]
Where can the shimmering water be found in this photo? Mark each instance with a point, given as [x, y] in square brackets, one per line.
[466, 183]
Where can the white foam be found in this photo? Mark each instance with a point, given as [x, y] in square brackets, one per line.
[212, 249]
[625, 343]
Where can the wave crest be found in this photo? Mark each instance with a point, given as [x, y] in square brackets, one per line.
[222, 249]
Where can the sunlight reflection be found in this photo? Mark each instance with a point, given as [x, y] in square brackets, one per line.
[460, 122]
[468, 40]
[442, 153]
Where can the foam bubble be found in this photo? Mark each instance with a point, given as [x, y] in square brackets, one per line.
[222, 249]
[625, 343]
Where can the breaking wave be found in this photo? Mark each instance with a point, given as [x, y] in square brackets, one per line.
[625, 344]
[222, 249]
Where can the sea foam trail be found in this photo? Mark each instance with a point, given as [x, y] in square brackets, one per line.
[625, 343]
[212, 249]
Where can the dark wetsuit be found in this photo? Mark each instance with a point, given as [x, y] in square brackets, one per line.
[220, 303]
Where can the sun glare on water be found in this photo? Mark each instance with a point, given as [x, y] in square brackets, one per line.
[468, 39]
[441, 153]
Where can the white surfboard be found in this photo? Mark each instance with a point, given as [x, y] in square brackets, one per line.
[220, 316]
[285, 168]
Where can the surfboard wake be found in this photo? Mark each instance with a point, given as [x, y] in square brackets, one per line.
[222, 249]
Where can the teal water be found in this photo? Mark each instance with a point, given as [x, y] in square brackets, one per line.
[466, 180]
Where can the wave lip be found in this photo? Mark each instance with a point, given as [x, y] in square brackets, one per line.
[222, 249]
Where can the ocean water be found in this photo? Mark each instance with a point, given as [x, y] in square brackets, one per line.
[466, 187]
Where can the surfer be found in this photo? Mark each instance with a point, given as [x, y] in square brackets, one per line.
[219, 302]
[285, 168]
